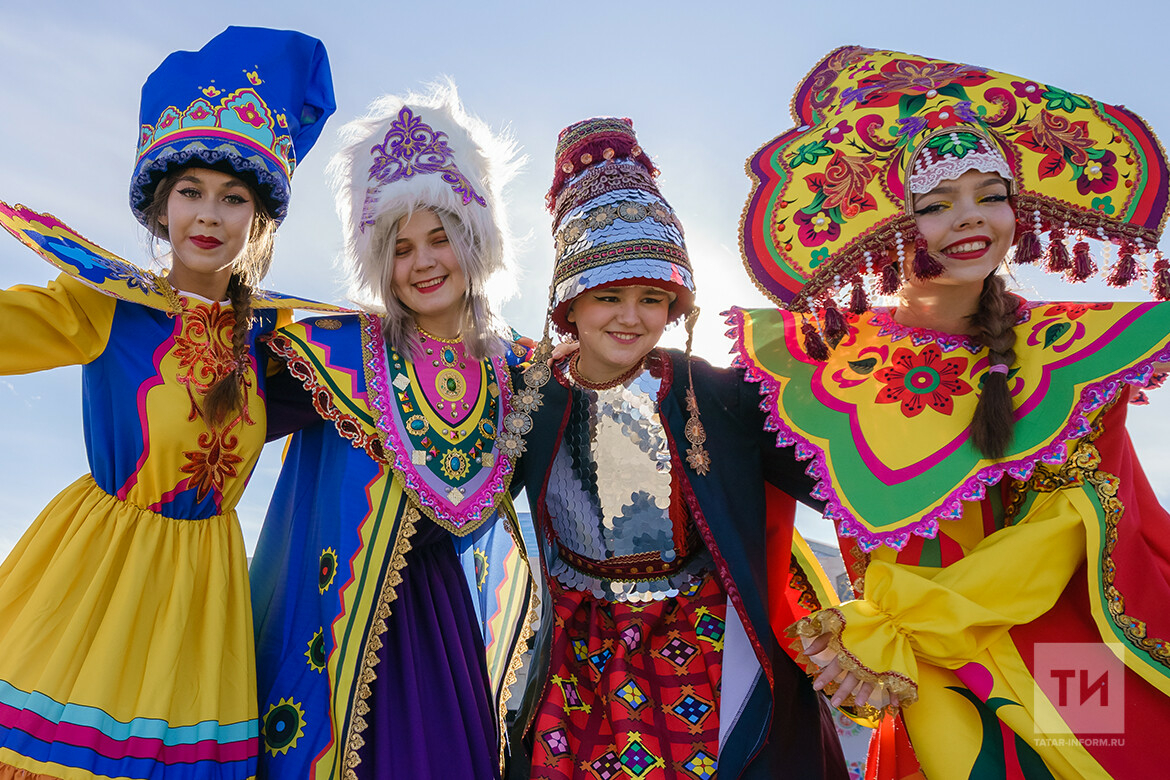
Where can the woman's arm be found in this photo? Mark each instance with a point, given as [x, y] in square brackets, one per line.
[947, 616]
[63, 323]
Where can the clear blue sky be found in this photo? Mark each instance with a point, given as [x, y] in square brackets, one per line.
[705, 85]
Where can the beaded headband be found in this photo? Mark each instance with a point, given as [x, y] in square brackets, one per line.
[828, 201]
[948, 154]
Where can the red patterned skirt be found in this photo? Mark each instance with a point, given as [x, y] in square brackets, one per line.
[633, 689]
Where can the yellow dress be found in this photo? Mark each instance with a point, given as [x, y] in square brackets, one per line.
[1017, 607]
[125, 619]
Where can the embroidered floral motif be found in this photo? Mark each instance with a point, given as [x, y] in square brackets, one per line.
[923, 379]
[204, 351]
[213, 463]
[1075, 311]
[412, 147]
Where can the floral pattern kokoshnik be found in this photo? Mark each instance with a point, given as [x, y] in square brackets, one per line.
[829, 196]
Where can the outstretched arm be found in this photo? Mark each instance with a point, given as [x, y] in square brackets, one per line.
[61, 324]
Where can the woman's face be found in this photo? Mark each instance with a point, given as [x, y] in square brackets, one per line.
[616, 327]
[208, 220]
[428, 279]
[968, 224]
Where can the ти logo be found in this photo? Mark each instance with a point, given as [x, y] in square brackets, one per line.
[1080, 689]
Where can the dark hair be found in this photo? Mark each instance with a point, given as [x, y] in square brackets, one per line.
[226, 394]
[994, 322]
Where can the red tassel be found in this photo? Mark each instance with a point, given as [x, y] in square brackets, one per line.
[858, 302]
[1058, 259]
[1162, 280]
[814, 345]
[835, 325]
[1126, 269]
[1083, 265]
[890, 281]
[1028, 248]
[925, 265]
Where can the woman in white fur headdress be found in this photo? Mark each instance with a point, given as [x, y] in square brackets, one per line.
[375, 658]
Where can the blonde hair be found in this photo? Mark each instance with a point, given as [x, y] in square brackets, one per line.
[480, 331]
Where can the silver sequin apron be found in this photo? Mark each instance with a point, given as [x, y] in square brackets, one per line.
[609, 497]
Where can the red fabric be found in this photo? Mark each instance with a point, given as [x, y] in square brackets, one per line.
[1142, 554]
[1142, 561]
[783, 607]
[592, 722]
[891, 756]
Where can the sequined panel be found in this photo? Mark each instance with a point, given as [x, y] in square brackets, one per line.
[609, 496]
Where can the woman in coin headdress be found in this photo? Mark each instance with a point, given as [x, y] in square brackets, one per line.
[125, 620]
[971, 444]
[376, 658]
[649, 477]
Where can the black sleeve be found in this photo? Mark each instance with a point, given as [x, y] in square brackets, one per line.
[288, 405]
[780, 466]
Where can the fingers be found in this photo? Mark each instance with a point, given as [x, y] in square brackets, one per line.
[827, 675]
[563, 350]
[818, 644]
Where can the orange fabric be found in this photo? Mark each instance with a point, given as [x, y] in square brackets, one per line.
[9, 772]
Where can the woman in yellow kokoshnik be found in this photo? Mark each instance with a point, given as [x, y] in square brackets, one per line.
[125, 622]
[1010, 561]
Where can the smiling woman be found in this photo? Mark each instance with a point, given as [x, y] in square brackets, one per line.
[650, 479]
[399, 476]
[972, 445]
[124, 612]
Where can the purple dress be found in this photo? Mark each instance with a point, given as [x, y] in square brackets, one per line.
[381, 652]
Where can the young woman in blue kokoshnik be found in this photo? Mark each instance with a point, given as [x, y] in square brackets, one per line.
[125, 619]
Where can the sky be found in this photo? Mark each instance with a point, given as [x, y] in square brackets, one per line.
[706, 84]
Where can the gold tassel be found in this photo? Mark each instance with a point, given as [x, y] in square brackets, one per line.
[697, 456]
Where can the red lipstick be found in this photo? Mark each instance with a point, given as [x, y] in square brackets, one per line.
[205, 242]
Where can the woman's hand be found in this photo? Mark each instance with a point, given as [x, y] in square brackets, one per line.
[563, 350]
[850, 683]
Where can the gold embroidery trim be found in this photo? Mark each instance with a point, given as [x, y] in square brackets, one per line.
[366, 674]
[831, 621]
[527, 631]
[1084, 467]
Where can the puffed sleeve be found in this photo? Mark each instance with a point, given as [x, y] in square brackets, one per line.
[63, 323]
[947, 616]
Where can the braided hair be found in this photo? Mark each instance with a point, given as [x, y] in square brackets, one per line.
[227, 393]
[993, 324]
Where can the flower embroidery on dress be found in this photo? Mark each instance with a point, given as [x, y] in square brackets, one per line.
[203, 349]
[923, 379]
[214, 462]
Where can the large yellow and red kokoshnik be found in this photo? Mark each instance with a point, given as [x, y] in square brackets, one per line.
[829, 197]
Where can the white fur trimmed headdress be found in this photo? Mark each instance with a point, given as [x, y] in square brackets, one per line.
[421, 151]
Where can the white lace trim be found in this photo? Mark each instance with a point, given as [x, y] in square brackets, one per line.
[949, 167]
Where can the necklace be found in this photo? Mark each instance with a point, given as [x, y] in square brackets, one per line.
[575, 373]
[425, 336]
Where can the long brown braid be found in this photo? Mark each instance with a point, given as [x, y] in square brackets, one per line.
[227, 394]
[993, 323]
